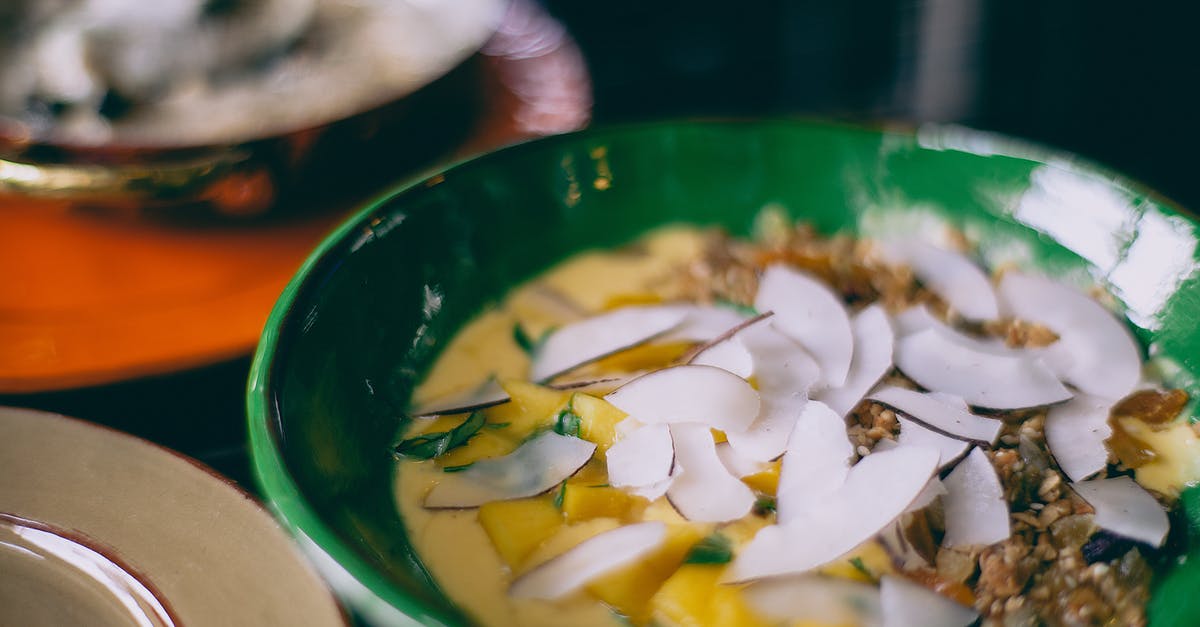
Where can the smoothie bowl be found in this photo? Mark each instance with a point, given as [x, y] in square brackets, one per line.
[744, 373]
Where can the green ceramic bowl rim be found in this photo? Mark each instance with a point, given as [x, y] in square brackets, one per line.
[363, 587]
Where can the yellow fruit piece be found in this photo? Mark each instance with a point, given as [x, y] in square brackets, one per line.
[593, 473]
[518, 527]
[629, 590]
[644, 357]
[486, 443]
[597, 421]
[719, 436]
[743, 530]
[582, 502]
[532, 407]
[873, 557]
[662, 510]
[565, 539]
[617, 301]
[766, 480]
[692, 598]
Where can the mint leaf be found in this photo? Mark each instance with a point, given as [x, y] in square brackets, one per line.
[715, 549]
[431, 445]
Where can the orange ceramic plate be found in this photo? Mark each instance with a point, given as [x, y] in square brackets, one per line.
[90, 299]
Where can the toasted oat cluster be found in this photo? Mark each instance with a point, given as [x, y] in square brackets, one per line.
[1056, 567]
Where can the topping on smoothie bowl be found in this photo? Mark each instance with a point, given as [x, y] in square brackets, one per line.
[795, 429]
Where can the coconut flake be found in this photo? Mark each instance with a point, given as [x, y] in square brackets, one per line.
[702, 489]
[877, 490]
[590, 339]
[703, 323]
[919, 318]
[812, 314]
[982, 378]
[816, 463]
[536, 466]
[641, 459]
[932, 491]
[588, 560]
[939, 416]
[1095, 351]
[1075, 435]
[729, 355]
[487, 395]
[1126, 509]
[974, 506]
[872, 358]
[700, 394]
[784, 372]
[949, 449]
[816, 599]
[907, 604]
[951, 275]
[736, 464]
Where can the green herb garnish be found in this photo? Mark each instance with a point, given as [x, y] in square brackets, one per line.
[764, 505]
[567, 422]
[457, 468]
[558, 496]
[858, 565]
[431, 445]
[497, 425]
[522, 339]
[715, 549]
[745, 310]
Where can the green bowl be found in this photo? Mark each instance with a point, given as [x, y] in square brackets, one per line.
[371, 308]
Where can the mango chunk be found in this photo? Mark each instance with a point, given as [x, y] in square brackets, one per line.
[629, 589]
[692, 598]
[532, 407]
[873, 558]
[744, 529]
[594, 473]
[766, 480]
[719, 436]
[518, 527]
[487, 443]
[566, 538]
[644, 357]
[581, 502]
[597, 421]
[626, 299]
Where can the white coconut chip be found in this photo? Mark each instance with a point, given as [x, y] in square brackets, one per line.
[784, 372]
[699, 394]
[951, 275]
[938, 415]
[919, 318]
[815, 599]
[536, 466]
[908, 604]
[736, 464]
[816, 463]
[932, 491]
[872, 358]
[729, 355]
[1095, 351]
[974, 507]
[487, 395]
[641, 459]
[812, 314]
[587, 340]
[913, 433]
[702, 323]
[702, 489]
[588, 560]
[1075, 435]
[877, 491]
[981, 378]
[1126, 509]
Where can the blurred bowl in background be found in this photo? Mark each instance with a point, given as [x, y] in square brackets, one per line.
[232, 104]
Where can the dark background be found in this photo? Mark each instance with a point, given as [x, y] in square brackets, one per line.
[1111, 82]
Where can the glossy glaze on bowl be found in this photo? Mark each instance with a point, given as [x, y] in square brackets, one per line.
[366, 315]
